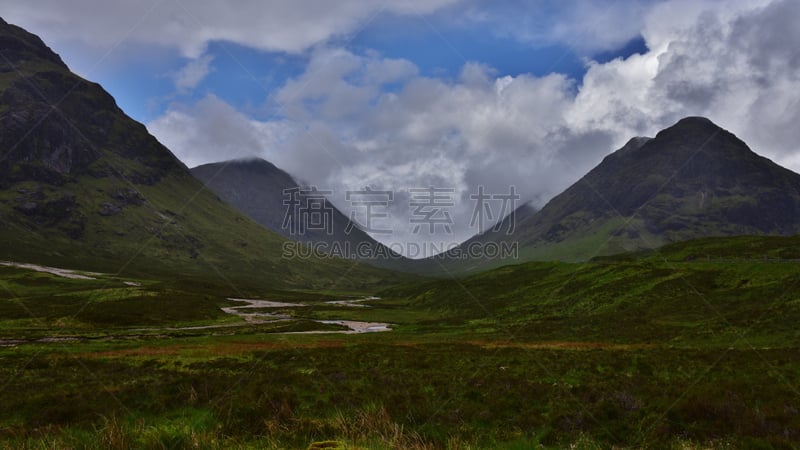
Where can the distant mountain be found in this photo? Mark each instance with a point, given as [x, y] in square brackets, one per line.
[82, 185]
[263, 192]
[692, 180]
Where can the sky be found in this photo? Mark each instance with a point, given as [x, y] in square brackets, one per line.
[452, 94]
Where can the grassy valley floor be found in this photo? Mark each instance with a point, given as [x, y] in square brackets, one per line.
[647, 351]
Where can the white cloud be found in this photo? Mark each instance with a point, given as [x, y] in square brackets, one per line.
[735, 62]
[211, 130]
[275, 25]
[600, 26]
[190, 75]
[343, 132]
[588, 27]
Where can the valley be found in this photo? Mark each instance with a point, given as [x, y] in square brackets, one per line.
[653, 303]
[643, 350]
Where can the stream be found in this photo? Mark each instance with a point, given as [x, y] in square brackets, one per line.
[262, 317]
[250, 318]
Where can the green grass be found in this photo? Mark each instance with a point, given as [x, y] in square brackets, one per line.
[646, 350]
[610, 238]
[169, 225]
[630, 301]
[615, 236]
[433, 394]
[199, 241]
[691, 346]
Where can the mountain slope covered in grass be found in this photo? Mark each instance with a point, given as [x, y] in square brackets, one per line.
[725, 290]
[692, 180]
[82, 185]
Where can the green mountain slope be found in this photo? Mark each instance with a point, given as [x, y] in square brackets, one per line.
[84, 186]
[724, 290]
[692, 180]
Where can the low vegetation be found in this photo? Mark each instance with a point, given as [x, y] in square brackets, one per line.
[657, 350]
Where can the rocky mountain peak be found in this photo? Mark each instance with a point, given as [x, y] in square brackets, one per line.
[18, 46]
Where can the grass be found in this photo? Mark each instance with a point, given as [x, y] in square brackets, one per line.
[432, 394]
[631, 301]
[691, 346]
[35, 305]
[163, 235]
[132, 208]
[643, 351]
[610, 238]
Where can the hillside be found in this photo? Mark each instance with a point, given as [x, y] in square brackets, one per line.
[82, 185]
[692, 180]
[259, 189]
[706, 290]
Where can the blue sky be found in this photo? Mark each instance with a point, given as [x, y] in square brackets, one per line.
[140, 76]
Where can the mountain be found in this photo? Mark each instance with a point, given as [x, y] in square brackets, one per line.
[692, 180]
[82, 185]
[253, 186]
[262, 191]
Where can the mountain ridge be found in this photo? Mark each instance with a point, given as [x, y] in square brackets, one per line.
[259, 189]
[693, 179]
[82, 185]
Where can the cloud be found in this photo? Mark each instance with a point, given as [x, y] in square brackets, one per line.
[737, 65]
[343, 131]
[277, 25]
[355, 120]
[585, 26]
[190, 75]
[211, 130]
